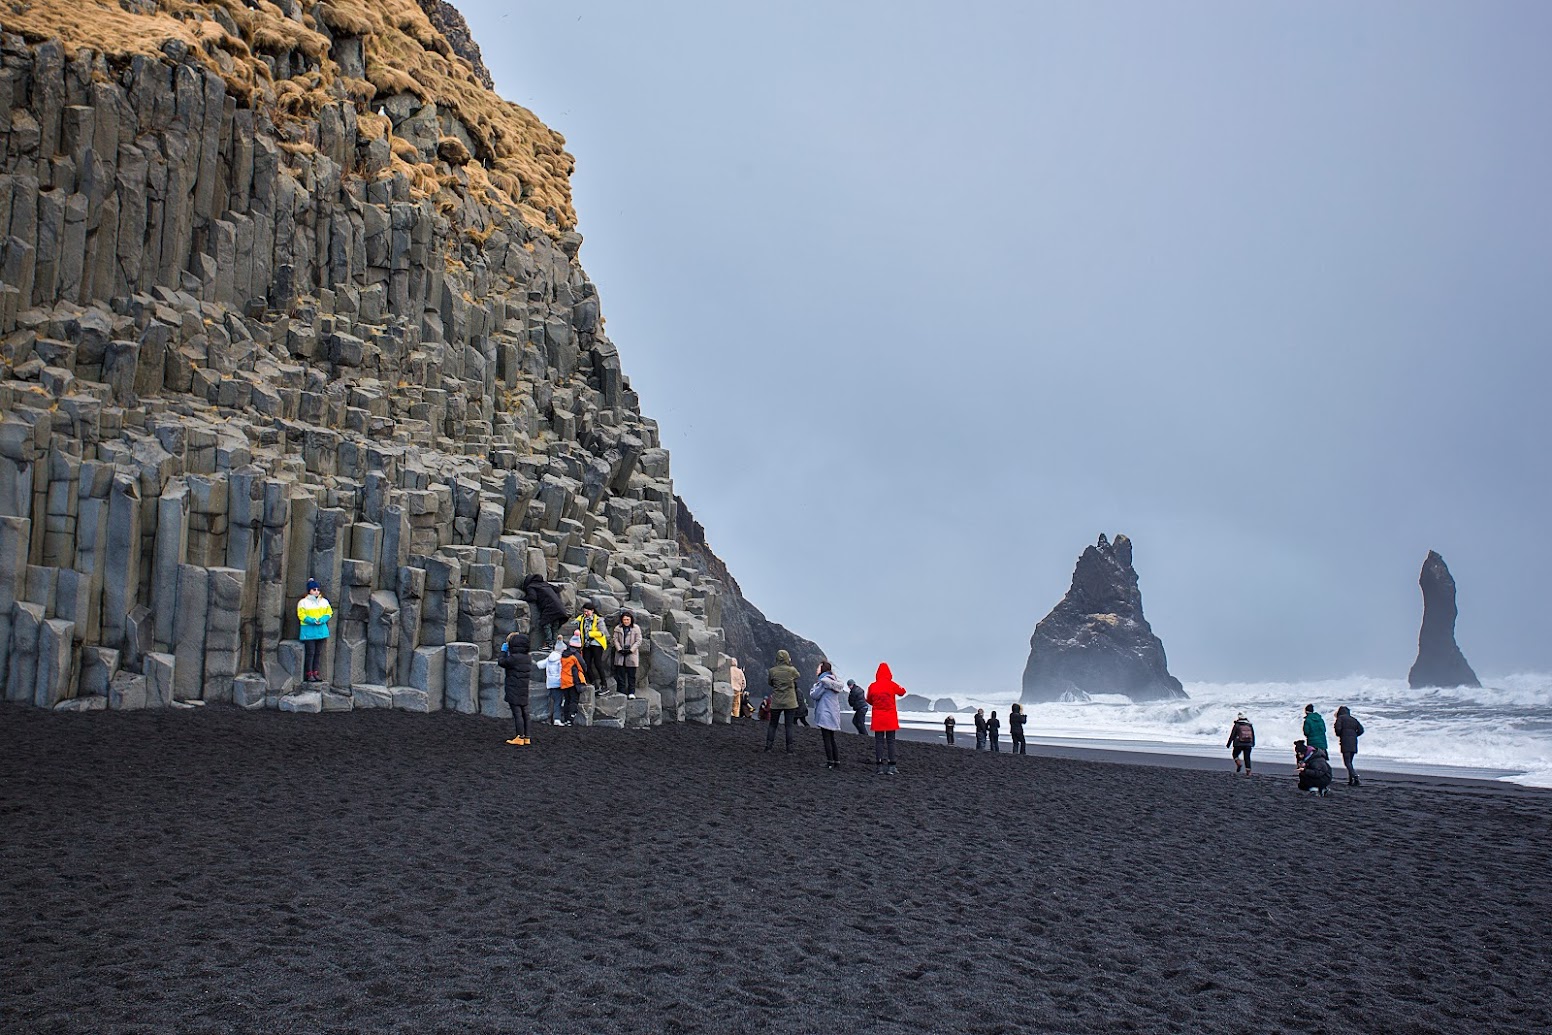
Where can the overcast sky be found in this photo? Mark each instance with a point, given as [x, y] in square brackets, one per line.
[925, 296]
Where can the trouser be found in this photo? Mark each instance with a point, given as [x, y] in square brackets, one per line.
[568, 704]
[1308, 781]
[519, 716]
[950, 735]
[832, 753]
[1018, 744]
[625, 679]
[980, 741]
[593, 665]
[542, 632]
[859, 719]
[557, 702]
[995, 747]
[1347, 760]
[776, 716]
[312, 659]
[1243, 751]
[884, 743]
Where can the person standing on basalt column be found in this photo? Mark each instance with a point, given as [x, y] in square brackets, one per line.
[858, 699]
[826, 695]
[993, 728]
[1016, 719]
[783, 680]
[886, 718]
[312, 614]
[1347, 730]
[546, 611]
[519, 672]
[594, 643]
[626, 638]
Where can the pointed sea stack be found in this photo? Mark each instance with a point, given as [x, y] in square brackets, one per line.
[1096, 641]
[1439, 660]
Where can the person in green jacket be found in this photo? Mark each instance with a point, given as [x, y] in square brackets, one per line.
[1314, 727]
[783, 679]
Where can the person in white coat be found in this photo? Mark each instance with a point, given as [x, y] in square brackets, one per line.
[827, 693]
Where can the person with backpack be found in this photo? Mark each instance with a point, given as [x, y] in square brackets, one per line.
[783, 680]
[572, 678]
[886, 718]
[826, 695]
[1016, 719]
[594, 642]
[948, 730]
[858, 699]
[552, 670]
[980, 729]
[1242, 737]
[626, 638]
[1315, 771]
[546, 610]
[993, 727]
[1314, 728]
[519, 666]
[312, 615]
[1347, 730]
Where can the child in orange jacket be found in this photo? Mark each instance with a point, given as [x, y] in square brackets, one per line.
[572, 678]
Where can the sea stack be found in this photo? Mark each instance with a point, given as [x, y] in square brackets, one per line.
[1096, 641]
[1439, 660]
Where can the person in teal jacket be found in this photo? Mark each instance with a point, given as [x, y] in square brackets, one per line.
[1314, 727]
[312, 615]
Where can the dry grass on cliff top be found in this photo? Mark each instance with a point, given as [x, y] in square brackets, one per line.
[521, 163]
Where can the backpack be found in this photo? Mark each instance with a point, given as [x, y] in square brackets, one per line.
[1244, 733]
[765, 710]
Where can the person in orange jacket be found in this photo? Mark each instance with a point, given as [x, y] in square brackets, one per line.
[886, 719]
[572, 678]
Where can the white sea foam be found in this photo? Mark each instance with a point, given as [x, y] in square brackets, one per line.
[1503, 729]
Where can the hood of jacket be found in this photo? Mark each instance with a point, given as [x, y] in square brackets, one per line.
[884, 675]
[783, 658]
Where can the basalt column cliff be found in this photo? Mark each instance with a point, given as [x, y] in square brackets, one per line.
[286, 292]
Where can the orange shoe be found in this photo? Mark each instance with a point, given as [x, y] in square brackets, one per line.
[517, 740]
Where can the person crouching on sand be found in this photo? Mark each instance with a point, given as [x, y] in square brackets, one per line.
[783, 679]
[826, 695]
[519, 667]
[993, 728]
[572, 679]
[886, 719]
[312, 614]
[1242, 737]
[1016, 719]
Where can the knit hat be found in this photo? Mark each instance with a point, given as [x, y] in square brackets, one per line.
[576, 639]
[312, 584]
[1240, 717]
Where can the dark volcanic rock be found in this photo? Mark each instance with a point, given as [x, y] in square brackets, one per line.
[1096, 641]
[1439, 660]
[450, 23]
[751, 637]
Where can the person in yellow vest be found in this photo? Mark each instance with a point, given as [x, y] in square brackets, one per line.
[594, 642]
[312, 614]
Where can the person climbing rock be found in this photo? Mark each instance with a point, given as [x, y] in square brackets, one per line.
[948, 730]
[312, 615]
[980, 729]
[886, 718]
[594, 642]
[572, 678]
[1242, 737]
[993, 728]
[1314, 728]
[783, 680]
[546, 611]
[858, 699]
[826, 695]
[518, 668]
[1347, 730]
[740, 685]
[552, 670]
[626, 641]
[1016, 719]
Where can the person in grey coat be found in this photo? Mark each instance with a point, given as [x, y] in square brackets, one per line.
[827, 693]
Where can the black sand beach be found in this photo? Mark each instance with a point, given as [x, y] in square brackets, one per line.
[220, 871]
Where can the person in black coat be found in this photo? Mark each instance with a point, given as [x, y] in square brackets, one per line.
[546, 611]
[993, 727]
[858, 699]
[980, 730]
[518, 665]
[1016, 719]
[1315, 771]
[1348, 730]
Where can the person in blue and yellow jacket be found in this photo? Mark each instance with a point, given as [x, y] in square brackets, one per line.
[594, 642]
[313, 613]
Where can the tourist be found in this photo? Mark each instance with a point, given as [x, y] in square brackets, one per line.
[858, 699]
[1315, 771]
[552, 669]
[1242, 737]
[1016, 719]
[519, 669]
[546, 610]
[783, 679]
[312, 614]
[802, 712]
[594, 642]
[980, 729]
[626, 638]
[886, 719]
[826, 695]
[948, 730]
[1314, 728]
[993, 727]
[572, 678]
[1347, 730]
[740, 684]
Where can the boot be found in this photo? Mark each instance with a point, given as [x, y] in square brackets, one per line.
[878, 769]
[892, 770]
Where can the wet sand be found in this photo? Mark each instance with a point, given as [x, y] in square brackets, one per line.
[217, 871]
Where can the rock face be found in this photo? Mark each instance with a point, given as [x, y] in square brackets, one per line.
[751, 637]
[1439, 660]
[1096, 641]
[287, 292]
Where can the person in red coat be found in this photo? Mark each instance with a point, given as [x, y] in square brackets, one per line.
[886, 720]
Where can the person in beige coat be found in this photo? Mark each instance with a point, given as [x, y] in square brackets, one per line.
[625, 645]
[740, 688]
